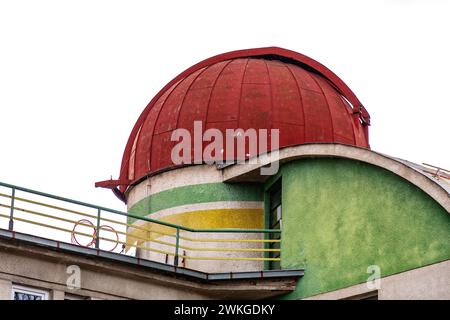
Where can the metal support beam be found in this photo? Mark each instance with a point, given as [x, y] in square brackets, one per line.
[177, 246]
[97, 238]
[11, 214]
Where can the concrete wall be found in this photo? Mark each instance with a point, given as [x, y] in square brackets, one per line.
[28, 264]
[182, 177]
[430, 282]
[205, 260]
[195, 197]
[97, 280]
[334, 209]
[5, 289]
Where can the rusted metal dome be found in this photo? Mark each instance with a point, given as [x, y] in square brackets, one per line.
[260, 88]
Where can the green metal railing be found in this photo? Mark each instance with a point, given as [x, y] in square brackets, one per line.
[86, 224]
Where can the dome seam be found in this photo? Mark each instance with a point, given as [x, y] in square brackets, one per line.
[149, 158]
[186, 93]
[302, 105]
[240, 93]
[326, 101]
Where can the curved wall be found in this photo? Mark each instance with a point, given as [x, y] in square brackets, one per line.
[195, 197]
[341, 216]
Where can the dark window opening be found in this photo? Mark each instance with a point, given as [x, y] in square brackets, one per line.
[275, 222]
[373, 295]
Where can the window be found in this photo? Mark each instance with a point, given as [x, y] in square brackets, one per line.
[275, 222]
[27, 293]
[373, 295]
[69, 296]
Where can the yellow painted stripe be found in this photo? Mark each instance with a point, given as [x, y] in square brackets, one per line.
[145, 247]
[244, 218]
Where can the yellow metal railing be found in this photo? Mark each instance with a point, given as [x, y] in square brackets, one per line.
[85, 224]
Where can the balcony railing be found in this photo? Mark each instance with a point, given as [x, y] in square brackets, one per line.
[66, 220]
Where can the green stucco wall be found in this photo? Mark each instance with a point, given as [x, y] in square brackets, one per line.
[341, 216]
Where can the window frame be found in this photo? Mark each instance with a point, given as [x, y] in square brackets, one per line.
[275, 217]
[370, 295]
[44, 294]
[71, 296]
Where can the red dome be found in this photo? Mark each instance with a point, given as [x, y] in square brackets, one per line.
[258, 88]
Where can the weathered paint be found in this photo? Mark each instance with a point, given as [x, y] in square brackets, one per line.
[259, 88]
[424, 283]
[200, 193]
[216, 205]
[201, 206]
[341, 216]
[180, 177]
[208, 219]
[245, 218]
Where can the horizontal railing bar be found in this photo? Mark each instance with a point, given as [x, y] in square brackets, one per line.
[140, 246]
[232, 249]
[74, 212]
[208, 239]
[83, 234]
[48, 195]
[145, 226]
[83, 214]
[155, 240]
[49, 206]
[141, 238]
[49, 226]
[229, 240]
[234, 258]
[69, 221]
[167, 224]
[84, 224]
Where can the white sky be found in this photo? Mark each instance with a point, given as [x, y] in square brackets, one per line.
[75, 75]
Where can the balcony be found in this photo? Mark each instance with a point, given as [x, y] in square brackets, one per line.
[84, 225]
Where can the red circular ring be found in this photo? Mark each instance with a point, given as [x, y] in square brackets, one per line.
[74, 239]
[112, 229]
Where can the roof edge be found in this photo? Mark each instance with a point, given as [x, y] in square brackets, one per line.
[426, 183]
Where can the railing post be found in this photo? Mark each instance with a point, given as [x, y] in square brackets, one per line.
[11, 213]
[97, 234]
[177, 245]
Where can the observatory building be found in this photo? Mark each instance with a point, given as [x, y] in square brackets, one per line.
[332, 220]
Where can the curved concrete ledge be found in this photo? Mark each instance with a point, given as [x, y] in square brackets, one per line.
[251, 172]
